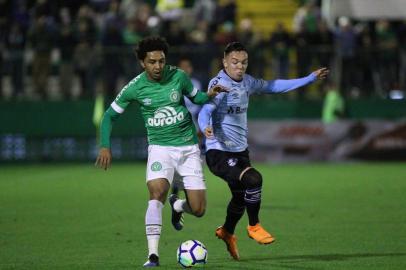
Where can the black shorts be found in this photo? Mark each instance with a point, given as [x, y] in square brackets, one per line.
[228, 165]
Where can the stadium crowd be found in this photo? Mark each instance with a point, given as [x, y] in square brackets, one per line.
[74, 49]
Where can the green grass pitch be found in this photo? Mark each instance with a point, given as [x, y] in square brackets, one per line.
[324, 216]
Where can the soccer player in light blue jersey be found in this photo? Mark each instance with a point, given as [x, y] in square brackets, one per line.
[224, 123]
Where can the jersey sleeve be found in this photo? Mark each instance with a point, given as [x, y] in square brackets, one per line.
[187, 86]
[278, 86]
[256, 86]
[217, 81]
[123, 99]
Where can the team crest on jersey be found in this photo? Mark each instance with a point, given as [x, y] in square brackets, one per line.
[165, 116]
[156, 166]
[147, 101]
[232, 162]
[174, 95]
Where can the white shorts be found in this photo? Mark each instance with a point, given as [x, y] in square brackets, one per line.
[171, 162]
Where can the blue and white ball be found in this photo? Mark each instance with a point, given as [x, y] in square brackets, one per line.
[191, 253]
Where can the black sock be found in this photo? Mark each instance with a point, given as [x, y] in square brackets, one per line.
[253, 203]
[235, 210]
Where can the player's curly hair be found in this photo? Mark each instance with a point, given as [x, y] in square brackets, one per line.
[234, 47]
[150, 44]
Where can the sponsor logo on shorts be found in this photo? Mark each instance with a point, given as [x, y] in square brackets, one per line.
[232, 162]
[156, 166]
[165, 116]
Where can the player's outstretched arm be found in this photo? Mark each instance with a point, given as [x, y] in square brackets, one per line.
[282, 86]
[104, 158]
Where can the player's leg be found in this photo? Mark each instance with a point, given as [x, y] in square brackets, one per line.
[227, 166]
[252, 181]
[195, 203]
[159, 176]
[235, 209]
[190, 169]
[158, 190]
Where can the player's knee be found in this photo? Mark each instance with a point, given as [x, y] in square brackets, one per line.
[157, 194]
[252, 179]
[199, 211]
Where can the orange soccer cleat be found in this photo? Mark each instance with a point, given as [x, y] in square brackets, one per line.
[230, 240]
[259, 234]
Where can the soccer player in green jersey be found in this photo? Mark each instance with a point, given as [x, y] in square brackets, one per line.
[173, 150]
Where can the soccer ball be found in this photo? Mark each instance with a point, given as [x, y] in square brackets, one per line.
[191, 253]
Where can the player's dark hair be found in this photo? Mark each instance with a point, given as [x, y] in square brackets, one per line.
[150, 44]
[234, 47]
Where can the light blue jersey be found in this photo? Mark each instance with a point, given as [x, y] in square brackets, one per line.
[227, 112]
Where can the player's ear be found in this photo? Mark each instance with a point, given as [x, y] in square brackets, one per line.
[224, 63]
[142, 64]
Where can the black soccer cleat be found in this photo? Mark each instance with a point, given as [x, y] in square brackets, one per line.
[153, 261]
[177, 217]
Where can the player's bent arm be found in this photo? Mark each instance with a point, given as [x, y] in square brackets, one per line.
[106, 125]
[104, 158]
[205, 115]
[201, 98]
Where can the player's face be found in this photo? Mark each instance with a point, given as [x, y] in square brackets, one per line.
[235, 64]
[153, 64]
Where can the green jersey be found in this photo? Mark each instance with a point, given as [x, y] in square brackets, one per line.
[166, 118]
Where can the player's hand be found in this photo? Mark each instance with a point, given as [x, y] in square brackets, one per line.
[208, 132]
[104, 158]
[215, 90]
[321, 73]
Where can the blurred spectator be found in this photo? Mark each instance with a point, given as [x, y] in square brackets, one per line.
[307, 18]
[325, 40]
[346, 43]
[146, 20]
[169, 11]
[176, 36]
[226, 12]
[15, 43]
[386, 41]
[367, 64]
[333, 106]
[280, 44]
[225, 34]
[246, 35]
[402, 43]
[41, 38]
[186, 65]
[112, 43]
[85, 54]
[131, 36]
[66, 43]
[194, 109]
[129, 8]
[199, 34]
[303, 46]
[205, 10]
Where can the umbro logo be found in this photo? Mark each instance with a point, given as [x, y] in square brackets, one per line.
[147, 101]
